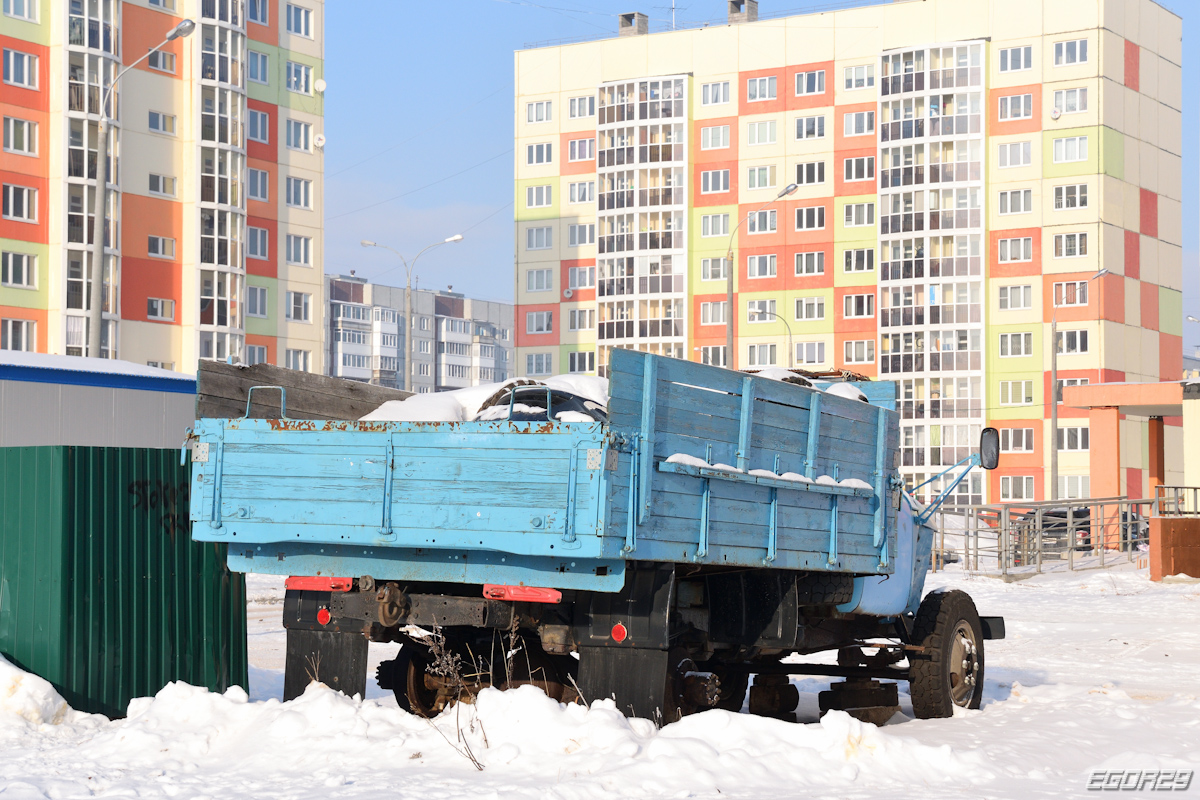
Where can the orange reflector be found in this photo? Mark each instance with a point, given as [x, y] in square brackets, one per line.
[323, 616]
[619, 632]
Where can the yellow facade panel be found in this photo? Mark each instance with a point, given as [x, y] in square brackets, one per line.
[1170, 265]
[1170, 220]
[1170, 36]
[1148, 161]
[1070, 16]
[1170, 129]
[1170, 164]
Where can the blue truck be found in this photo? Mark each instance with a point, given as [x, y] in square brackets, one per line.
[696, 532]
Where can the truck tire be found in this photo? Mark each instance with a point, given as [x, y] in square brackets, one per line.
[824, 588]
[949, 672]
[405, 676]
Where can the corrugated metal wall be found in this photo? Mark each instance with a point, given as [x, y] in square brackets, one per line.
[102, 591]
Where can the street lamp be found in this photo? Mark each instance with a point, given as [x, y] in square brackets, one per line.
[1054, 391]
[95, 297]
[791, 347]
[729, 309]
[408, 269]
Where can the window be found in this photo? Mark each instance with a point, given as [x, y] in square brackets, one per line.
[423, 345]
[810, 82]
[1073, 438]
[714, 181]
[299, 135]
[299, 250]
[539, 322]
[1071, 101]
[20, 203]
[810, 127]
[858, 305]
[299, 307]
[581, 149]
[810, 353]
[20, 136]
[760, 355]
[1016, 440]
[162, 123]
[760, 266]
[258, 126]
[1016, 250]
[859, 214]
[810, 219]
[537, 196]
[581, 362]
[1017, 106]
[761, 222]
[18, 334]
[581, 277]
[539, 153]
[582, 192]
[157, 308]
[1070, 196]
[539, 238]
[859, 351]
[538, 112]
[21, 9]
[859, 169]
[299, 20]
[1072, 148]
[859, 123]
[299, 78]
[298, 360]
[714, 94]
[714, 356]
[1074, 486]
[810, 308]
[761, 132]
[355, 360]
[1016, 487]
[810, 263]
[860, 77]
[1070, 245]
[759, 89]
[581, 319]
[539, 280]
[1071, 293]
[1016, 393]
[860, 260]
[714, 138]
[1018, 201]
[1015, 59]
[20, 69]
[258, 180]
[161, 247]
[163, 62]
[1015, 154]
[162, 184]
[1072, 52]
[1016, 345]
[712, 313]
[423, 370]
[1058, 393]
[760, 311]
[580, 235]
[810, 172]
[256, 301]
[1016, 298]
[582, 107]
[713, 269]
[18, 269]
[255, 354]
[256, 11]
[299, 192]
[1072, 342]
[539, 363]
[714, 225]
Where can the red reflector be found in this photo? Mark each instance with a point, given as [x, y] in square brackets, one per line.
[619, 632]
[525, 594]
[319, 584]
[323, 616]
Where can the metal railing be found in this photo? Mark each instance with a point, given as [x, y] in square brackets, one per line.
[1178, 501]
[1029, 537]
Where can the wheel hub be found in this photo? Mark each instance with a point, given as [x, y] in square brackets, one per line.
[964, 665]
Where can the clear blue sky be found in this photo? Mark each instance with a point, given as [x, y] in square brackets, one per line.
[422, 92]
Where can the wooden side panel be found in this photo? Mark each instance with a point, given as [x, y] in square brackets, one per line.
[222, 389]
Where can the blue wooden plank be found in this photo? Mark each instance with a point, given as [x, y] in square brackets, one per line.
[758, 480]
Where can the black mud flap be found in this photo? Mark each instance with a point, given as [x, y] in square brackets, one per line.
[993, 627]
[338, 660]
[636, 678]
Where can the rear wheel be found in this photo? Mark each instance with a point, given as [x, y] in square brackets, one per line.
[949, 670]
[405, 676]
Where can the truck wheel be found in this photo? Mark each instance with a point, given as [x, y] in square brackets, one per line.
[405, 676]
[949, 672]
[733, 690]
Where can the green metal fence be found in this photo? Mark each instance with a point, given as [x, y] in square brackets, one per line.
[102, 590]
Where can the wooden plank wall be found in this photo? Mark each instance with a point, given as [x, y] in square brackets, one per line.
[221, 391]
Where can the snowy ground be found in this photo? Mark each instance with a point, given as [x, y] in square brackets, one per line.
[1101, 669]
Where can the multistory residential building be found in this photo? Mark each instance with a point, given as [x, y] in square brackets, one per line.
[213, 241]
[964, 170]
[457, 341]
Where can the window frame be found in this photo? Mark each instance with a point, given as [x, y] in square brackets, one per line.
[1060, 52]
[306, 184]
[162, 303]
[1024, 105]
[706, 181]
[867, 300]
[531, 235]
[1061, 196]
[706, 137]
[1026, 56]
[1023, 340]
[1024, 292]
[32, 63]
[723, 91]
[803, 76]
[850, 77]
[29, 270]
[164, 243]
[305, 307]
[30, 201]
[262, 303]
[31, 130]
[768, 82]
[292, 11]
[293, 241]
[163, 117]
[296, 69]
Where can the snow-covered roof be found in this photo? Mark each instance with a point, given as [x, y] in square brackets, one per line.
[47, 368]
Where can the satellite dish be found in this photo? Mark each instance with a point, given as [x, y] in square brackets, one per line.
[319, 140]
[320, 84]
[567, 293]
[1055, 114]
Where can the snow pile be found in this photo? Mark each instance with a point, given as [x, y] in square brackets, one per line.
[796, 476]
[492, 413]
[25, 697]
[462, 405]
[856, 483]
[727, 468]
[686, 460]
[824, 480]
[846, 390]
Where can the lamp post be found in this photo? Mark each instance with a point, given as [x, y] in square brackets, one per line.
[96, 295]
[730, 362]
[791, 347]
[1054, 392]
[408, 269]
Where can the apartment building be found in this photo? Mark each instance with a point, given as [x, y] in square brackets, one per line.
[214, 221]
[457, 341]
[968, 173]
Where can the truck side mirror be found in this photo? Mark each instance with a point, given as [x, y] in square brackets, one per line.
[989, 448]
